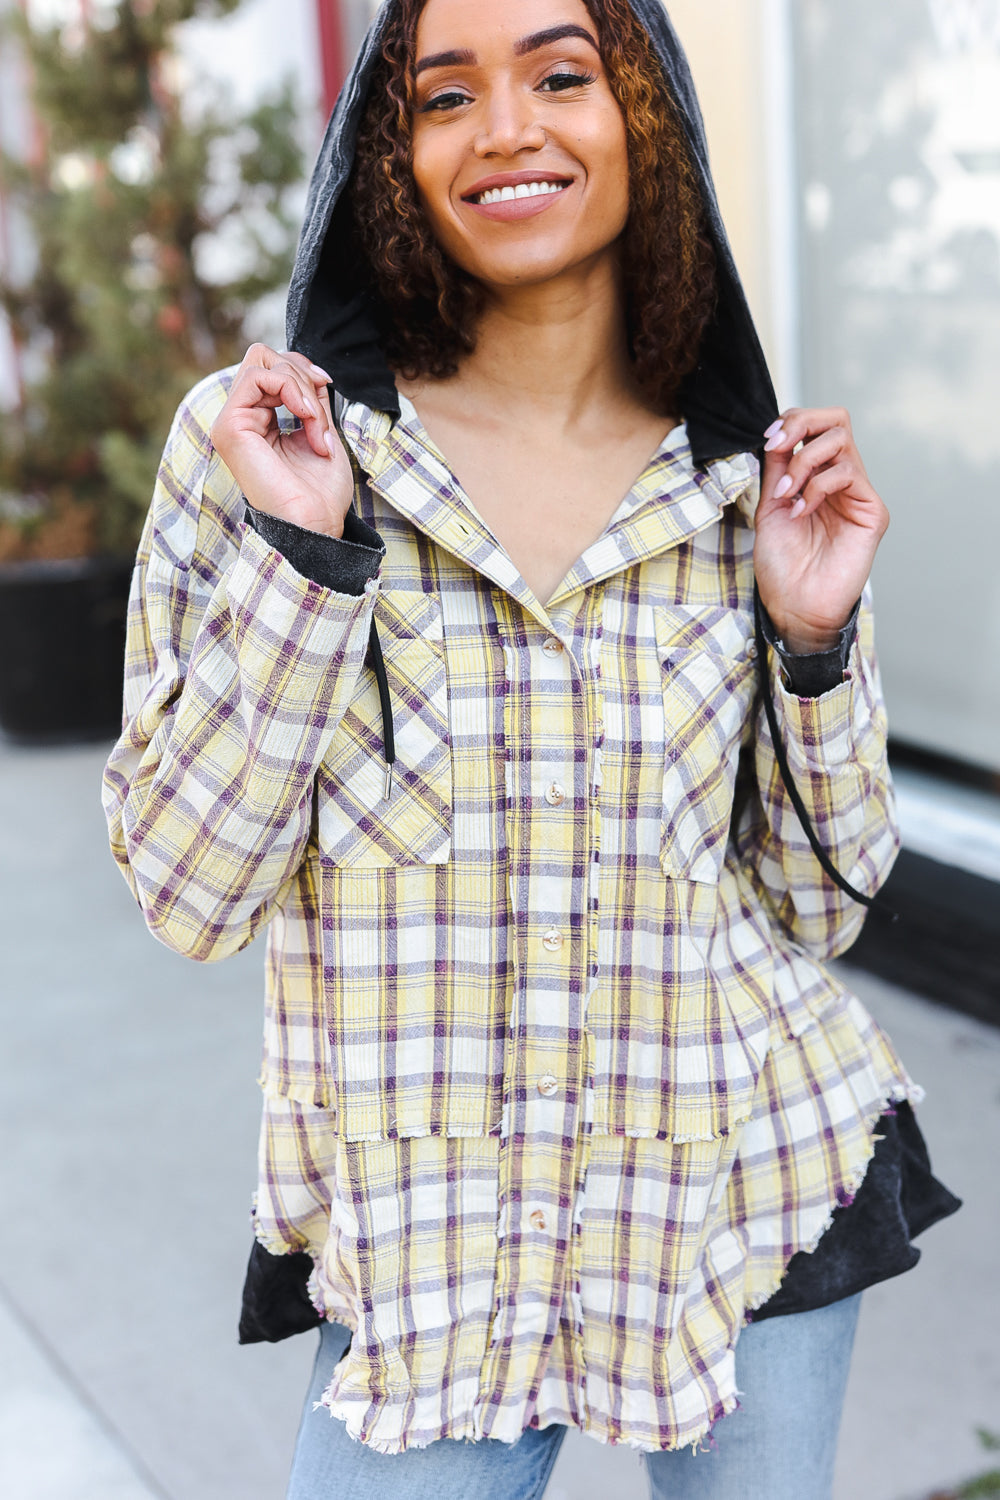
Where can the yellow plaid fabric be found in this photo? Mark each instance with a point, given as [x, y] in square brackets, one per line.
[555, 1083]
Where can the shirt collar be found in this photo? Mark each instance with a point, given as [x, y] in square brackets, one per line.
[670, 502]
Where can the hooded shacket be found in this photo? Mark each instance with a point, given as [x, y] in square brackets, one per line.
[555, 1081]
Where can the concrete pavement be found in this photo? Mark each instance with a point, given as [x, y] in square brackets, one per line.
[129, 1112]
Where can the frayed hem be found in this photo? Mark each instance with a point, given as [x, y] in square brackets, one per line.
[698, 1437]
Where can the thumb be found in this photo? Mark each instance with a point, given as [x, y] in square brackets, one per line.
[775, 469]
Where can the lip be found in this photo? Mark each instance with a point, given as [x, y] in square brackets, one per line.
[515, 208]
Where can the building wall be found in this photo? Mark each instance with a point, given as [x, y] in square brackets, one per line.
[724, 41]
[898, 130]
[857, 157]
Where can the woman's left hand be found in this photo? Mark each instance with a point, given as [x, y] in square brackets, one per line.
[818, 526]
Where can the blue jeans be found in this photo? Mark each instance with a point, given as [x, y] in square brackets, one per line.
[780, 1445]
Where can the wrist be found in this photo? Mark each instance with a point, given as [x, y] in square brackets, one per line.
[803, 637]
[817, 669]
[801, 642]
[304, 518]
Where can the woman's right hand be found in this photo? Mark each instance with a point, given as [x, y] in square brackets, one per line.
[302, 476]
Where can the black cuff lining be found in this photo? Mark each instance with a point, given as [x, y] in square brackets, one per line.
[810, 674]
[344, 564]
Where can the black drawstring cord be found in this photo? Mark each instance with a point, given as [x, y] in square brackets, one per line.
[388, 734]
[874, 903]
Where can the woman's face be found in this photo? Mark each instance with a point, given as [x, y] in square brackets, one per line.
[519, 148]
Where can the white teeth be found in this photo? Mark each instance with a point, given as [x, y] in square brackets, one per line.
[522, 190]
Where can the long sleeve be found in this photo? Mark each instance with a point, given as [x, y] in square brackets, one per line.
[836, 747]
[238, 671]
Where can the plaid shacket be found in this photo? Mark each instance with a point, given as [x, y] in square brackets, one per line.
[555, 1082]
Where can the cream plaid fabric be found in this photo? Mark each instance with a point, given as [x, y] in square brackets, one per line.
[555, 1083]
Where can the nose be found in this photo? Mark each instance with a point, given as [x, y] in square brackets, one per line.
[509, 124]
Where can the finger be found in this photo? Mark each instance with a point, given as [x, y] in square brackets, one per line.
[799, 424]
[285, 384]
[840, 479]
[830, 448]
[315, 373]
[320, 382]
[312, 378]
[277, 385]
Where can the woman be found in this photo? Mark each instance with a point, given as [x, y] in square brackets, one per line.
[556, 1087]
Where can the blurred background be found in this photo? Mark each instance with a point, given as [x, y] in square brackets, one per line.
[153, 158]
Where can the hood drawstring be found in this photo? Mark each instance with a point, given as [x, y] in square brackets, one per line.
[873, 903]
[388, 733]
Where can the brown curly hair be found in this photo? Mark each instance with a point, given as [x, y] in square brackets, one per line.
[429, 308]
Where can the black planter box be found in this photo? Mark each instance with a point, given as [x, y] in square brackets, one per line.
[946, 942]
[62, 649]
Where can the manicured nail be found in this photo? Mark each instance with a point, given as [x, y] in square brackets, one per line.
[330, 442]
[328, 379]
[782, 487]
[775, 441]
[774, 428]
[797, 508]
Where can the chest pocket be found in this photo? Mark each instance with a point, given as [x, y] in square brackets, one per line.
[708, 679]
[357, 826]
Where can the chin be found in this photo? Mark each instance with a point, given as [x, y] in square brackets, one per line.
[528, 267]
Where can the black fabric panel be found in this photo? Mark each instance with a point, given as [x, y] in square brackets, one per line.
[869, 1240]
[275, 1301]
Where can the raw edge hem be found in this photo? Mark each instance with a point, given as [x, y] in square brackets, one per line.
[694, 1437]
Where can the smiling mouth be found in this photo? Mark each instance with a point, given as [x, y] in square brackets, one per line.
[521, 190]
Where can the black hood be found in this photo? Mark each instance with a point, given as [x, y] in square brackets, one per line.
[727, 401]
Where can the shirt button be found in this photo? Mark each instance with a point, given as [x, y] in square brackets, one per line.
[548, 1085]
[552, 647]
[537, 1219]
[553, 940]
[555, 794]
[751, 649]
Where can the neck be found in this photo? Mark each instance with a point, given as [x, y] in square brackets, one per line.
[555, 353]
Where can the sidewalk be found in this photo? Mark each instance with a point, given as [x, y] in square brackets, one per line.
[129, 1113]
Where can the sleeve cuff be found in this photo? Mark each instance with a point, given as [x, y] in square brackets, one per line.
[811, 674]
[344, 564]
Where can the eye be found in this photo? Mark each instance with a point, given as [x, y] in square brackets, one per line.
[557, 83]
[443, 102]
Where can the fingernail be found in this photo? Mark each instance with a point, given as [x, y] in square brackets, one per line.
[797, 508]
[775, 441]
[782, 487]
[774, 428]
[321, 374]
[330, 442]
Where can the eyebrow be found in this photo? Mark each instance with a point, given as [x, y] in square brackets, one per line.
[460, 58]
[553, 34]
[463, 57]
